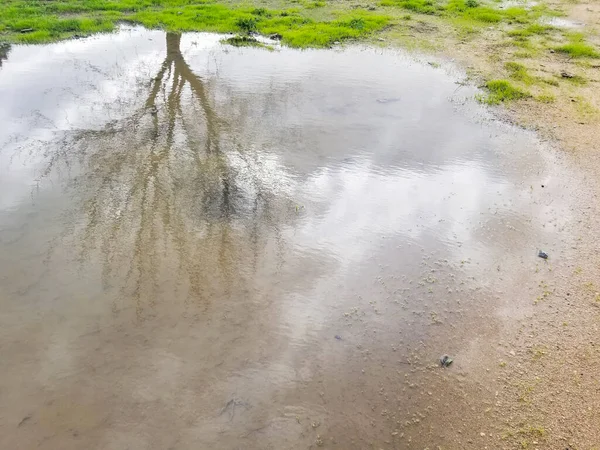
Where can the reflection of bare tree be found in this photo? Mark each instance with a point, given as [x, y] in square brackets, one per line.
[171, 200]
[4, 51]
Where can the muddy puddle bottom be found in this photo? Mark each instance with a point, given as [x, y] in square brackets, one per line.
[207, 247]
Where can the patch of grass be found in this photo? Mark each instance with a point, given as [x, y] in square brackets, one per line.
[245, 41]
[518, 72]
[323, 34]
[49, 28]
[531, 30]
[584, 108]
[417, 6]
[577, 80]
[578, 48]
[523, 54]
[550, 81]
[246, 24]
[33, 21]
[500, 91]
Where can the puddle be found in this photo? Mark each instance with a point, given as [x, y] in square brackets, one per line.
[210, 246]
[559, 22]
[505, 4]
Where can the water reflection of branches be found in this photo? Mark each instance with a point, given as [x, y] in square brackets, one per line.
[4, 51]
[170, 200]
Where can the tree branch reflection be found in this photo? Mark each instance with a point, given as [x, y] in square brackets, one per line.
[173, 200]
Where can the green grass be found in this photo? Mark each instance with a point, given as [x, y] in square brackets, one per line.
[518, 72]
[246, 41]
[546, 98]
[578, 50]
[577, 47]
[36, 21]
[500, 91]
[531, 30]
[416, 6]
[469, 11]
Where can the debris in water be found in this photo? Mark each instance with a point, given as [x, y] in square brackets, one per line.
[445, 361]
[338, 337]
[542, 254]
[388, 100]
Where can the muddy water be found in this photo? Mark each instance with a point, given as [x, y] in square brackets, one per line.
[210, 247]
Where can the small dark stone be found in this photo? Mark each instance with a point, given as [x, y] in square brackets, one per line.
[567, 75]
[543, 185]
[338, 337]
[542, 254]
[445, 361]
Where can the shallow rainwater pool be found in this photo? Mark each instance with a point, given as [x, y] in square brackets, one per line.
[203, 246]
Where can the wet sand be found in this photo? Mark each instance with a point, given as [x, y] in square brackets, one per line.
[210, 247]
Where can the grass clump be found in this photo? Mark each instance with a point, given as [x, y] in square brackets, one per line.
[500, 91]
[245, 41]
[518, 72]
[323, 34]
[577, 80]
[51, 28]
[246, 24]
[546, 98]
[416, 6]
[550, 81]
[578, 48]
[531, 30]
[584, 108]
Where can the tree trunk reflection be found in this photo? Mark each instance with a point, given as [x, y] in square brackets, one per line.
[173, 201]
